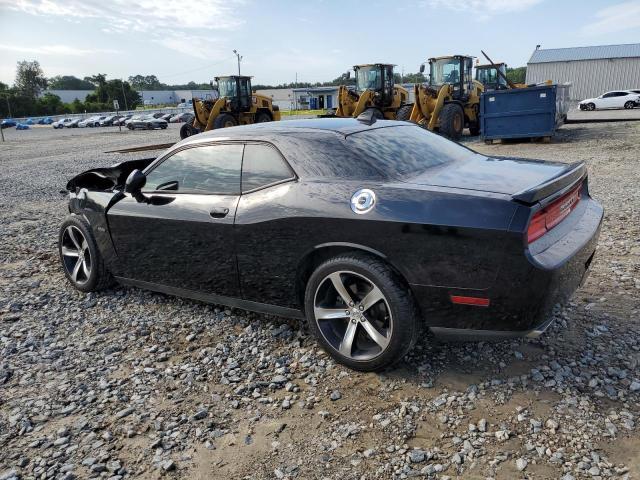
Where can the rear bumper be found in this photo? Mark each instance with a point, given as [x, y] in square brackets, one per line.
[527, 287]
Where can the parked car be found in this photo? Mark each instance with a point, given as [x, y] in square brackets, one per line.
[73, 123]
[132, 118]
[90, 121]
[23, 126]
[636, 92]
[120, 120]
[29, 121]
[45, 121]
[8, 123]
[614, 99]
[107, 121]
[148, 122]
[368, 229]
[61, 122]
[166, 116]
[157, 115]
[182, 117]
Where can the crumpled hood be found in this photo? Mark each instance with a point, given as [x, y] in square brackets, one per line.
[107, 178]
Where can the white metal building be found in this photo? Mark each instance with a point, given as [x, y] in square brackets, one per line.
[590, 70]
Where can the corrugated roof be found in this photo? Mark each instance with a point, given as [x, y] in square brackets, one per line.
[585, 53]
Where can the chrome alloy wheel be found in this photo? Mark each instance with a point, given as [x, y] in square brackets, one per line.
[76, 257]
[353, 315]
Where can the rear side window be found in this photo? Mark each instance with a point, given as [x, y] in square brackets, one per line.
[263, 165]
[404, 152]
[213, 169]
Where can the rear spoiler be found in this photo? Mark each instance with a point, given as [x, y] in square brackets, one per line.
[567, 177]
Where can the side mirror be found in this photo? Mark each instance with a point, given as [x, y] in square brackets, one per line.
[422, 68]
[135, 182]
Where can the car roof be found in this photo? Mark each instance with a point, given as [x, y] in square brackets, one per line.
[340, 126]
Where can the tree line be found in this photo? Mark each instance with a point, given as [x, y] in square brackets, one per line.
[24, 97]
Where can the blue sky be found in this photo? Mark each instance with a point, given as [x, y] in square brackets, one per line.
[319, 40]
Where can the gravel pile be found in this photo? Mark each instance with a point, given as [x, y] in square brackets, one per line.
[128, 383]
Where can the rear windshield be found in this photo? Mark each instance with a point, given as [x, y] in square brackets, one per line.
[404, 152]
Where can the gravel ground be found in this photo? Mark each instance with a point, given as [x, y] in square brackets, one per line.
[132, 384]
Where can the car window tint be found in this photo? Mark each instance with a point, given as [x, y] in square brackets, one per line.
[206, 169]
[405, 151]
[262, 165]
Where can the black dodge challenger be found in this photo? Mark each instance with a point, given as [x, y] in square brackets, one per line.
[367, 230]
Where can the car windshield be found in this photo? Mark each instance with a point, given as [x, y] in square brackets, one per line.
[368, 78]
[404, 152]
[227, 87]
[444, 70]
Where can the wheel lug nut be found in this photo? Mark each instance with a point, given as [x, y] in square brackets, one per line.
[361, 307]
[347, 312]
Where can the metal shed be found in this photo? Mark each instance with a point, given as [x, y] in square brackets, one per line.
[590, 70]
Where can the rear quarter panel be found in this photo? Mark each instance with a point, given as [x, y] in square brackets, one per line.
[431, 236]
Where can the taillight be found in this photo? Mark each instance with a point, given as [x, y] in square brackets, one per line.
[551, 215]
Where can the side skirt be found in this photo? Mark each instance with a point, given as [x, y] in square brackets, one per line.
[470, 335]
[217, 299]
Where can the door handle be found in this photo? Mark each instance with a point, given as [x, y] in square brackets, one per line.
[219, 212]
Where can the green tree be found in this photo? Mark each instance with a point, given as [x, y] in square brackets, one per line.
[517, 75]
[69, 82]
[146, 82]
[30, 79]
[3, 87]
[107, 91]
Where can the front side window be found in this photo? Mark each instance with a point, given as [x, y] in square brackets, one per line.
[263, 165]
[227, 87]
[368, 78]
[213, 169]
[445, 70]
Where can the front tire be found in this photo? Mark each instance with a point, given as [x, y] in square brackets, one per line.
[591, 107]
[452, 121]
[187, 130]
[81, 261]
[404, 113]
[361, 312]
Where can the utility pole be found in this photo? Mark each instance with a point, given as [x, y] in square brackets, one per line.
[295, 97]
[126, 107]
[6, 96]
[239, 60]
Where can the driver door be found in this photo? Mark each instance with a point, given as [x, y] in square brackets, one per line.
[183, 235]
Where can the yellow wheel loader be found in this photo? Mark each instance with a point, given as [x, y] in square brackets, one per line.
[236, 105]
[450, 101]
[375, 91]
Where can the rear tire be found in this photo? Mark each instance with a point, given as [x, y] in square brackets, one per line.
[262, 117]
[629, 105]
[348, 332]
[225, 120]
[452, 121]
[81, 261]
[404, 113]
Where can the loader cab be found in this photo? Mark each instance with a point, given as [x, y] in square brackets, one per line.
[377, 77]
[455, 71]
[237, 89]
[488, 76]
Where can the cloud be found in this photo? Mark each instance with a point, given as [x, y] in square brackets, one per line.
[616, 18]
[481, 9]
[64, 50]
[163, 21]
[138, 15]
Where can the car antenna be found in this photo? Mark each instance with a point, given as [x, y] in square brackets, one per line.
[367, 117]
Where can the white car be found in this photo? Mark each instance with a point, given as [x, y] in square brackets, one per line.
[614, 99]
[61, 123]
[91, 121]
